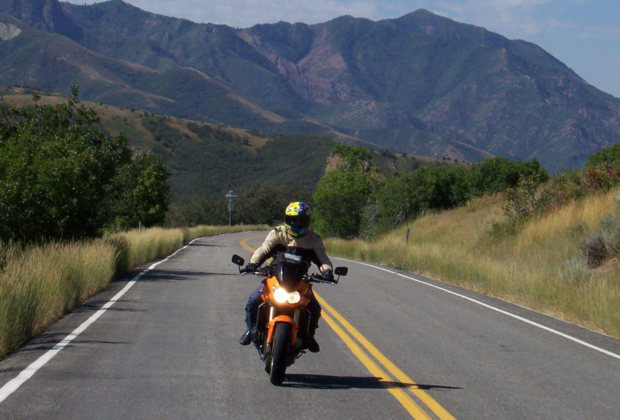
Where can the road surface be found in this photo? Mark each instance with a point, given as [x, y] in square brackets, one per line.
[393, 345]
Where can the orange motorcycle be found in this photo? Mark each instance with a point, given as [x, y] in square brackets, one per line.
[283, 318]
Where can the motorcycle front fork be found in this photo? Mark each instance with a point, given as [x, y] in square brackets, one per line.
[260, 338]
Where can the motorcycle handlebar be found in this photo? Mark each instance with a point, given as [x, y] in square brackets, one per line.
[317, 278]
[253, 273]
[311, 278]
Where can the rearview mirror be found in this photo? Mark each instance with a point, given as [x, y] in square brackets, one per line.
[237, 260]
[341, 271]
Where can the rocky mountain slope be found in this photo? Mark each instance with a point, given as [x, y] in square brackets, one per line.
[420, 84]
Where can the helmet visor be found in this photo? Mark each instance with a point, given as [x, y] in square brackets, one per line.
[298, 221]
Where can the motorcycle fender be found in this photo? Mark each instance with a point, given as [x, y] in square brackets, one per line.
[282, 318]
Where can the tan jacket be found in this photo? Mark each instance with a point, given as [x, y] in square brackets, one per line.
[310, 247]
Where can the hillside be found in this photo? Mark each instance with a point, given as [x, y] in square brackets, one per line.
[420, 84]
[31, 57]
[213, 159]
[544, 265]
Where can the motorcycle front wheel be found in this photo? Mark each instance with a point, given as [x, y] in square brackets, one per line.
[279, 355]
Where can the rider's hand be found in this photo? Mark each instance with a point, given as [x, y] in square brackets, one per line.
[250, 268]
[328, 275]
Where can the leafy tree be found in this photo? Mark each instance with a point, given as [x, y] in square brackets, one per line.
[139, 193]
[342, 194]
[151, 197]
[340, 198]
[55, 164]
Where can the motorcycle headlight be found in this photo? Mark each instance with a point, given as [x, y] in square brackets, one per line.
[281, 296]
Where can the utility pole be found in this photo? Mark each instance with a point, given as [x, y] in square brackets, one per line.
[231, 205]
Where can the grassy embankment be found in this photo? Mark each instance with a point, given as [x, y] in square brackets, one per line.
[39, 284]
[543, 266]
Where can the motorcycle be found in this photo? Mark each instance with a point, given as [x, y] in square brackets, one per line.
[283, 319]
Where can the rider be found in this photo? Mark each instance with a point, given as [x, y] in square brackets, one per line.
[295, 237]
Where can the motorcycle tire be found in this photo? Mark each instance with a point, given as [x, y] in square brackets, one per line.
[279, 355]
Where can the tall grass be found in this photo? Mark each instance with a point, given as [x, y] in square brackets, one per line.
[39, 284]
[542, 265]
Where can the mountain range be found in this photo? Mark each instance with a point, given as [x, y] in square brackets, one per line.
[420, 84]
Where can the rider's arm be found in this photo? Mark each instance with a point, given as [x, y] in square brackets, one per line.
[322, 260]
[269, 247]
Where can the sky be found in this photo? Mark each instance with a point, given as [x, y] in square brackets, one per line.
[583, 34]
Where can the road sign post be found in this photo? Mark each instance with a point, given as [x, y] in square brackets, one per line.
[231, 205]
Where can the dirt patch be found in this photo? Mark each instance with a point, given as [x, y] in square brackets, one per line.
[9, 31]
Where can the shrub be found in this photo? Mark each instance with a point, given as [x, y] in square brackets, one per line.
[497, 174]
[604, 242]
[608, 157]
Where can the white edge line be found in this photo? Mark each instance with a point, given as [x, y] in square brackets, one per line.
[520, 318]
[14, 384]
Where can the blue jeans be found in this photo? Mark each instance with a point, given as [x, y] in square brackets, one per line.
[254, 301]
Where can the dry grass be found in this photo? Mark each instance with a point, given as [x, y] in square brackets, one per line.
[541, 266]
[39, 284]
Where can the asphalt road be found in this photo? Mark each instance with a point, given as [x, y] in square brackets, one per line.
[400, 347]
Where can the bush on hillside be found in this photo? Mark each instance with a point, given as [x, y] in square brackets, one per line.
[63, 178]
[498, 174]
[55, 164]
[406, 196]
[608, 157]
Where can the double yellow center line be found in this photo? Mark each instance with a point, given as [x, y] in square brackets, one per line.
[409, 395]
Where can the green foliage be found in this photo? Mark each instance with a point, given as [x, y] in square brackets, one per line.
[524, 199]
[63, 178]
[497, 174]
[139, 193]
[217, 162]
[354, 158]
[151, 196]
[55, 164]
[352, 203]
[428, 188]
[608, 157]
[340, 198]
[532, 197]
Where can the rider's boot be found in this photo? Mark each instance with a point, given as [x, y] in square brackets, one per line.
[311, 344]
[246, 338]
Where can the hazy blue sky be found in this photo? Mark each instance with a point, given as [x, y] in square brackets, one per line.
[584, 34]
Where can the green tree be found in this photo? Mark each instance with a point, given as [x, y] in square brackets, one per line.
[341, 195]
[151, 197]
[340, 198]
[55, 164]
[139, 193]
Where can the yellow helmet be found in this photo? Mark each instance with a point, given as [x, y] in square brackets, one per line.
[298, 219]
